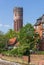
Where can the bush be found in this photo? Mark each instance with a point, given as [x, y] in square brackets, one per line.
[1, 50]
[40, 52]
[14, 52]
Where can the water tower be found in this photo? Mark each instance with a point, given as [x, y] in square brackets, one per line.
[18, 18]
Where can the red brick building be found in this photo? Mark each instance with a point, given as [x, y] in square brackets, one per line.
[39, 28]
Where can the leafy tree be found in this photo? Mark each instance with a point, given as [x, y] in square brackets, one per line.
[2, 44]
[5, 37]
[28, 39]
[11, 33]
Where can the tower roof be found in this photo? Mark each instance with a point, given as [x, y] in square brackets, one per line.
[18, 9]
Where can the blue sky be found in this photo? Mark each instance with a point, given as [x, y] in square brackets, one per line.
[32, 9]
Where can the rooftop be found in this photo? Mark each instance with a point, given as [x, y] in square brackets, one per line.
[12, 41]
[39, 20]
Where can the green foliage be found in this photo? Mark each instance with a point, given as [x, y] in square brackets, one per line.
[40, 52]
[28, 40]
[14, 52]
[11, 34]
[2, 44]
[26, 37]
[4, 38]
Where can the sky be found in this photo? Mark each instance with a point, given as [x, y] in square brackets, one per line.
[32, 9]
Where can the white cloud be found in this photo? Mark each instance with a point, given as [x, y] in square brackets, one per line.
[4, 25]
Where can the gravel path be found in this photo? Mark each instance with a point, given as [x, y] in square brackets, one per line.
[4, 62]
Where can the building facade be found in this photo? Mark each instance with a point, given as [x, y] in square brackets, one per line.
[39, 28]
[18, 18]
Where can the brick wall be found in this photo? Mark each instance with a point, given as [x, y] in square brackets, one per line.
[26, 58]
[36, 59]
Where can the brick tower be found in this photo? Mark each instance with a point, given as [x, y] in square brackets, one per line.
[18, 18]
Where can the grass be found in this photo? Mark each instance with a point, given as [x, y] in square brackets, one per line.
[40, 52]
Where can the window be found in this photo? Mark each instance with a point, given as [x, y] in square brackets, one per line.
[43, 33]
[42, 25]
[43, 19]
[35, 27]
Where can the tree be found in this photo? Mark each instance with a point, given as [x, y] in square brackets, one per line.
[27, 39]
[2, 43]
[4, 38]
[11, 34]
